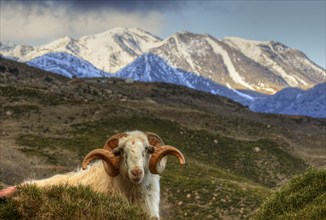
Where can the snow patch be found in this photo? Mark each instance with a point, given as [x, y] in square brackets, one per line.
[185, 54]
[269, 63]
[240, 93]
[229, 65]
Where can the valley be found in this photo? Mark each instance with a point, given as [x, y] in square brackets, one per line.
[234, 156]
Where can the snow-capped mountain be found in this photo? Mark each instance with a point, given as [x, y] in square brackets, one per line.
[244, 70]
[108, 51]
[294, 101]
[66, 65]
[291, 101]
[289, 64]
[228, 62]
[265, 67]
[152, 68]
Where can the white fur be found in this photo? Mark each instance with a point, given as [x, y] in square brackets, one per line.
[143, 191]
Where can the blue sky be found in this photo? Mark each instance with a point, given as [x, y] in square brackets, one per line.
[297, 24]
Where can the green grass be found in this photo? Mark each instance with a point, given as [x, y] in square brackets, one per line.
[304, 197]
[79, 144]
[41, 95]
[200, 191]
[207, 171]
[66, 202]
[214, 191]
[269, 166]
[19, 110]
[224, 176]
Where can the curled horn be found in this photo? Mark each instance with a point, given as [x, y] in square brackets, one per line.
[111, 162]
[161, 151]
[154, 140]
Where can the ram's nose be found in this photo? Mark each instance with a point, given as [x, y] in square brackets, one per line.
[136, 172]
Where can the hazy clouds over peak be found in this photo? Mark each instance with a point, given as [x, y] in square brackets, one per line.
[99, 5]
[298, 24]
[39, 21]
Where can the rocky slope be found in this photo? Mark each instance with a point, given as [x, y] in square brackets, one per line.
[293, 101]
[265, 67]
[67, 65]
[151, 68]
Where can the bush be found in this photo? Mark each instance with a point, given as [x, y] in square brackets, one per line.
[304, 197]
[66, 202]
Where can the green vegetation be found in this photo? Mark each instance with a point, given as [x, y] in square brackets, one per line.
[200, 191]
[238, 157]
[19, 110]
[199, 183]
[233, 156]
[66, 202]
[41, 95]
[304, 197]
[217, 176]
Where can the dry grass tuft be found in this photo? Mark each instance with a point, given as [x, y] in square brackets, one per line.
[66, 202]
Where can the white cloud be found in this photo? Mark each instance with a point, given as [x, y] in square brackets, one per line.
[35, 25]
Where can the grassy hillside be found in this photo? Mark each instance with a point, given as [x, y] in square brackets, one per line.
[233, 156]
[304, 197]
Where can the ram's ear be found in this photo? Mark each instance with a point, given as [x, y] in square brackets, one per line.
[150, 149]
[117, 151]
[154, 139]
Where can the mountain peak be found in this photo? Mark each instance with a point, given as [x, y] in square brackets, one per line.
[180, 34]
[59, 43]
[117, 30]
[126, 30]
[66, 38]
[66, 65]
[238, 40]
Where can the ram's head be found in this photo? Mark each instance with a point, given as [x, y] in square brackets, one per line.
[135, 152]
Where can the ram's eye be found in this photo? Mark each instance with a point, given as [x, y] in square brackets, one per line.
[150, 149]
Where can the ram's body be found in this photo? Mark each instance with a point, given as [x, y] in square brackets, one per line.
[130, 168]
[146, 195]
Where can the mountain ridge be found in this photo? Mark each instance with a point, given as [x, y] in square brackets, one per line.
[66, 65]
[264, 67]
[152, 68]
[253, 73]
[293, 101]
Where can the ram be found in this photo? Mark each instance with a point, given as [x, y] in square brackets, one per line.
[130, 167]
